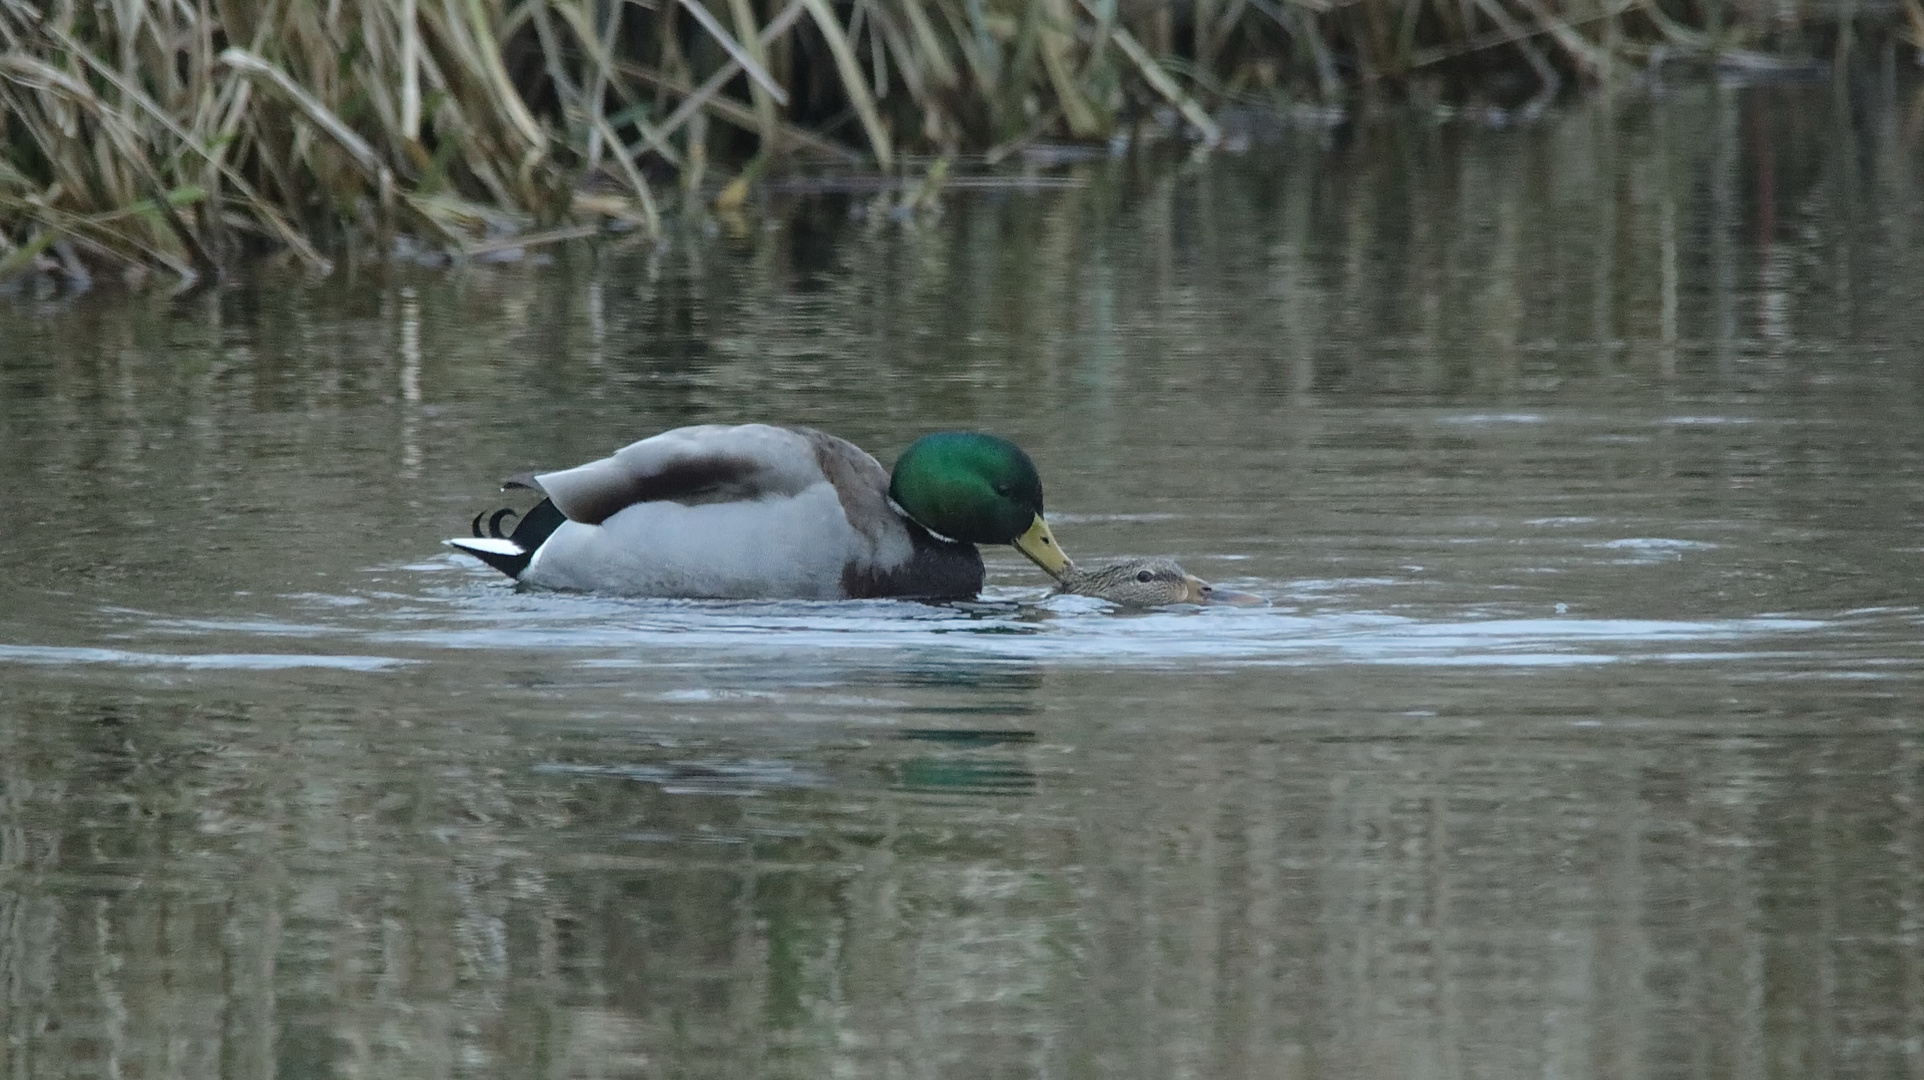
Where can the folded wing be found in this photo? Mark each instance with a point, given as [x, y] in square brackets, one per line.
[692, 466]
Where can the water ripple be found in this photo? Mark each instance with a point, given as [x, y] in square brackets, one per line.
[58, 655]
[609, 633]
[442, 621]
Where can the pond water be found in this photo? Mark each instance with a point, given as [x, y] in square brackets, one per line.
[1583, 463]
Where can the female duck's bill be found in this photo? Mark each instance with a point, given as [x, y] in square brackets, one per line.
[1151, 583]
[758, 511]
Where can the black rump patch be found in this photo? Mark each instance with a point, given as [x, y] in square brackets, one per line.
[537, 525]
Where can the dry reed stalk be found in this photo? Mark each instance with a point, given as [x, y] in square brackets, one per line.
[708, 91]
[766, 123]
[1159, 79]
[1057, 38]
[853, 80]
[736, 52]
[709, 97]
[929, 49]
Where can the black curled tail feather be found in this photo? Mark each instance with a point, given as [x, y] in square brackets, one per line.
[533, 531]
[493, 531]
[530, 532]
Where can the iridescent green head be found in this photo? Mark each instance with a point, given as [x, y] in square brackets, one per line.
[979, 489]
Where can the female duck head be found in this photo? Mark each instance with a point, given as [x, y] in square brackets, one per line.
[1151, 583]
[979, 489]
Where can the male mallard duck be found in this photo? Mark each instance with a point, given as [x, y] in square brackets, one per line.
[759, 511]
[1150, 583]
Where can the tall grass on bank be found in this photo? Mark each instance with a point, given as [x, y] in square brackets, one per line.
[178, 134]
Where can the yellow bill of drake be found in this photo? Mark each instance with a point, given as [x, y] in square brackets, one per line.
[1039, 544]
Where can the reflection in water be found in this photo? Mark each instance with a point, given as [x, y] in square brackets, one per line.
[1584, 465]
[1222, 898]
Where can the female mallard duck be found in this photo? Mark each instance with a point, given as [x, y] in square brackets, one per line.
[1150, 583]
[765, 512]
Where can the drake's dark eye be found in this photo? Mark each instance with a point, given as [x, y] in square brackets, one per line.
[1145, 576]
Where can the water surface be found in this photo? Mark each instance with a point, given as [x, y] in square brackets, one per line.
[1583, 463]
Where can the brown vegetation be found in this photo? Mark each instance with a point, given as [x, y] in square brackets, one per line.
[178, 135]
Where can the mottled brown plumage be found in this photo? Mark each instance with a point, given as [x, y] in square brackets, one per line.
[1150, 583]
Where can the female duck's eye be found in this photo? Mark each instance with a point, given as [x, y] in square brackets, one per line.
[1145, 576]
